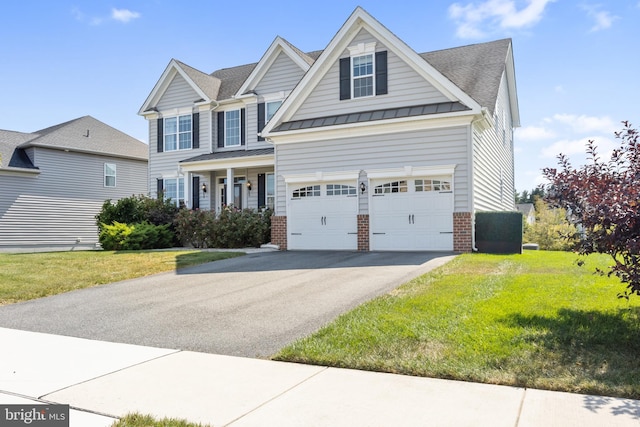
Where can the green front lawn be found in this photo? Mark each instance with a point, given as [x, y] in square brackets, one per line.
[532, 320]
[35, 275]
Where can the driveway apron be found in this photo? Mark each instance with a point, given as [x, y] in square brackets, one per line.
[247, 306]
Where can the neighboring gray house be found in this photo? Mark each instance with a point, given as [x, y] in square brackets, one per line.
[365, 145]
[53, 182]
[528, 211]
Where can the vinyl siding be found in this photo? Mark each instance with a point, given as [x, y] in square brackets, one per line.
[283, 75]
[405, 87]
[252, 129]
[493, 156]
[58, 206]
[178, 95]
[416, 148]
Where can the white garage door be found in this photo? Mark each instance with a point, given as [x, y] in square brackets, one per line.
[322, 216]
[411, 214]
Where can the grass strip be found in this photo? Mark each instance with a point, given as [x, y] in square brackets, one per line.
[35, 275]
[533, 320]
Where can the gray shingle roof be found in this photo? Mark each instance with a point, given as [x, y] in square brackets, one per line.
[208, 84]
[12, 156]
[476, 69]
[89, 135]
[229, 155]
[374, 115]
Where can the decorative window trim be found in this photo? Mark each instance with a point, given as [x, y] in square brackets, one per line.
[366, 76]
[107, 175]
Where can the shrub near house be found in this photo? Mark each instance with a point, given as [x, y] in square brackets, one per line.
[136, 222]
[231, 228]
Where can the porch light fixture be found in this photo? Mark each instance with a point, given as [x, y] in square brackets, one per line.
[362, 187]
[204, 188]
[249, 185]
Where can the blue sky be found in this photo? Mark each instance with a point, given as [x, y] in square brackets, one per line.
[577, 62]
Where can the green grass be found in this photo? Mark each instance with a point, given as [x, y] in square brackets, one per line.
[139, 420]
[533, 320]
[35, 275]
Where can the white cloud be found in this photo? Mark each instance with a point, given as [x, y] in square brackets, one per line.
[534, 133]
[123, 15]
[603, 18]
[583, 124]
[577, 148]
[475, 20]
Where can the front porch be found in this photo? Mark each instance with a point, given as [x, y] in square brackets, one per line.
[244, 179]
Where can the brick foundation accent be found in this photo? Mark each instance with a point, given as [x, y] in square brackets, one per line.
[462, 232]
[279, 231]
[363, 233]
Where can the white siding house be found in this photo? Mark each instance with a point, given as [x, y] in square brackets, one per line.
[365, 145]
[54, 181]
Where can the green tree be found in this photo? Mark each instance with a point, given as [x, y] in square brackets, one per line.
[552, 231]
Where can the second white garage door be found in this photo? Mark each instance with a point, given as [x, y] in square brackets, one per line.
[411, 214]
[322, 216]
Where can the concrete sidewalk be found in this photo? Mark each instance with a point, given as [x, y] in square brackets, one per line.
[102, 381]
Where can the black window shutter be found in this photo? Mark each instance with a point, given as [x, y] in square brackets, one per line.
[262, 193]
[345, 78]
[160, 187]
[261, 119]
[160, 132]
[195, 192]
[221, 129]
[381, 73]
[195, 123]
[243, 127]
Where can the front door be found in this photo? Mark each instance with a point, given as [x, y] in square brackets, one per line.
[237, 195]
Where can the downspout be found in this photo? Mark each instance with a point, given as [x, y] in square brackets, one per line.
[483, 123]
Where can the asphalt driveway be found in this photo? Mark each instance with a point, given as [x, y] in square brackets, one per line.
[246, 306]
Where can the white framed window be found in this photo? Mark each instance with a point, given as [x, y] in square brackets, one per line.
[391, 187]
[178, 133]
[232, 128]
[109, 174]
[362, 75]
[310, 191]
[341, 190]
[270, 109]
[423, 185]
[270, 195]
[174, 190]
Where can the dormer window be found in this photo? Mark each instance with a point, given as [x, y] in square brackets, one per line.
[364, 72]
[362, 75]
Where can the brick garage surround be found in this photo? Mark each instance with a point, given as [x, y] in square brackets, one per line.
[279, 231]
[462, 231]
[363, 233]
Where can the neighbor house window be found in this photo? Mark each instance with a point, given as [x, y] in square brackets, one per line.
[174, 190]
[178, 133]
[271, 108]
[362, 67]
[109, 175]
[232, 128]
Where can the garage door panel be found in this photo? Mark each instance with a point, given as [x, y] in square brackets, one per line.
[325, 221]
[419, 218]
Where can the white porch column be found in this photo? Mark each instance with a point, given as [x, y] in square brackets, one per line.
[229, 190]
